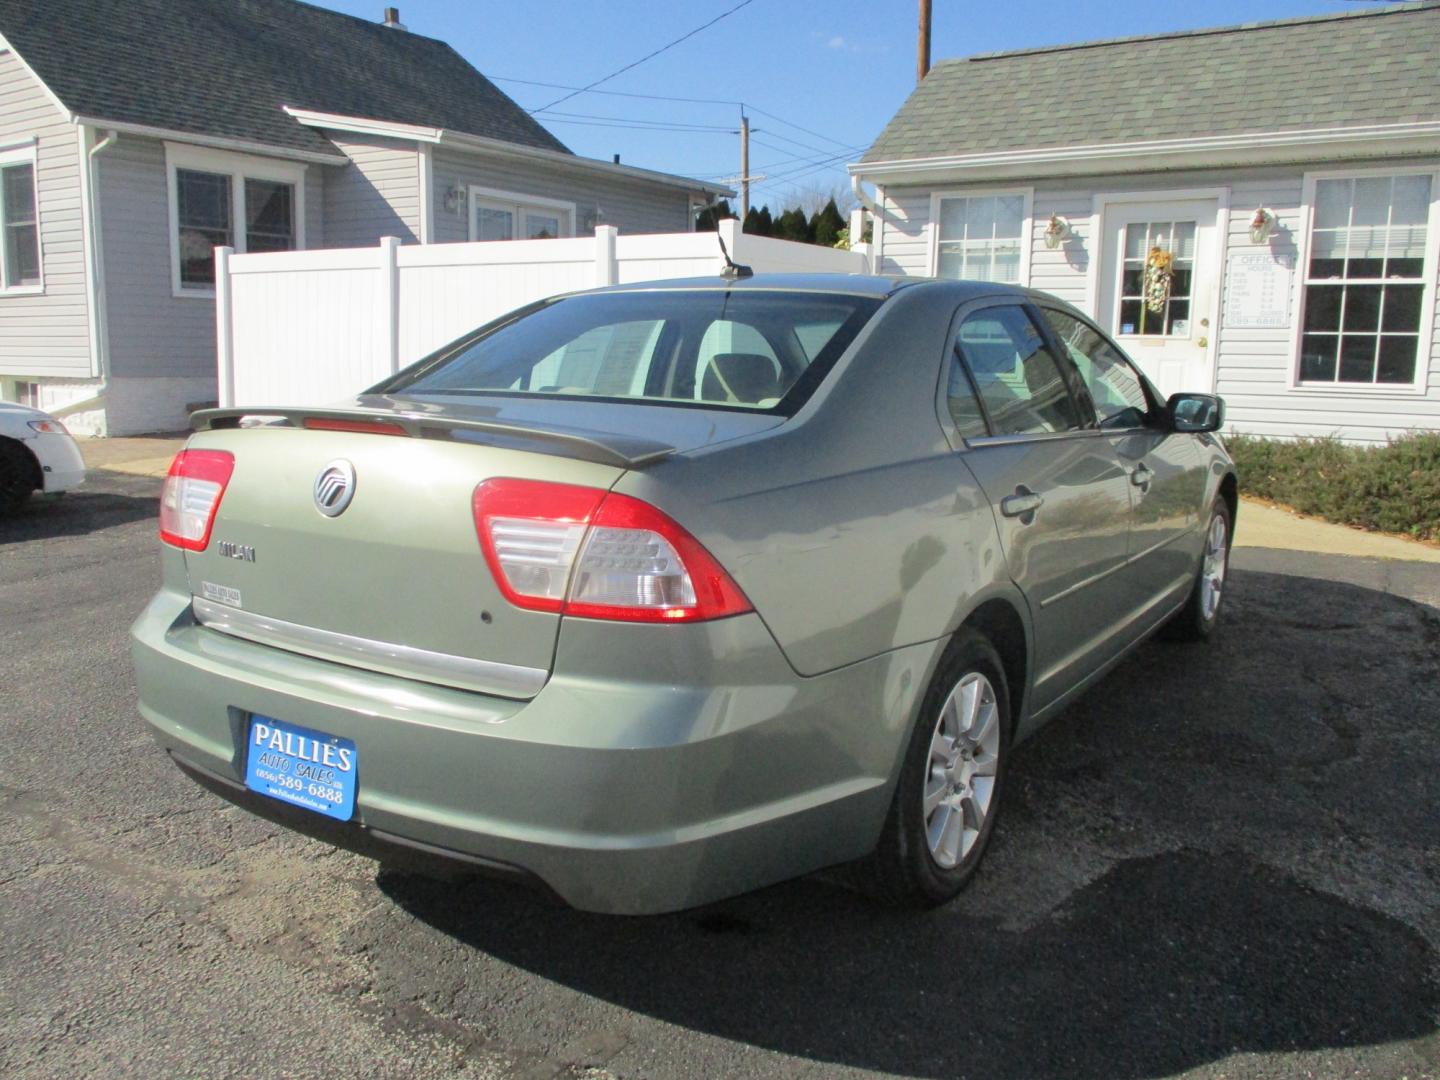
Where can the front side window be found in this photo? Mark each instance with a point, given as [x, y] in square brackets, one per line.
[1365, 281]
[21, 239]
[1019, 381]
[979, 238]
[704, 348]
[1114, 386]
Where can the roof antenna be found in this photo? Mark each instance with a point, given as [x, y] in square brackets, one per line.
[733, 270]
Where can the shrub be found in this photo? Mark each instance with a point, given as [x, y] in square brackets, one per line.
[1391, 488]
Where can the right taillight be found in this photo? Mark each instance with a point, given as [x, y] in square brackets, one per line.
[587, 552]
[191, 496]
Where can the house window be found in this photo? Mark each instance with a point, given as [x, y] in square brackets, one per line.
[269, 216]
[500, 215]
[27, 394]
[205, 224]
[219, 199]
[20, 234]
[980, 236]
[1365, 281]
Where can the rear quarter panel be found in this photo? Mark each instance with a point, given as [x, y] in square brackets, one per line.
[854, 529]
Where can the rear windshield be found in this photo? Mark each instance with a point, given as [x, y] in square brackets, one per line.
[742, 349]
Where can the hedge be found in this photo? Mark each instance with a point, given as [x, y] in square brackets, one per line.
[1393, 488]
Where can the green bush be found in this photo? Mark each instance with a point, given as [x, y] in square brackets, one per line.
[1393, 488]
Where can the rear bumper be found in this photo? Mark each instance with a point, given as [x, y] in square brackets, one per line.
[707, 770]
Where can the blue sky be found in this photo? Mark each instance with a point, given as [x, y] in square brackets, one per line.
[839, 69]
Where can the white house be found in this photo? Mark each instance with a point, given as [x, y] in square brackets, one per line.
[138, 135]
[1253, 210]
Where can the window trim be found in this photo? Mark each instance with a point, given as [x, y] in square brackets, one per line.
[1426, 344]
[23, 154]
[239, 168]
[1027, 224]
[518, 202]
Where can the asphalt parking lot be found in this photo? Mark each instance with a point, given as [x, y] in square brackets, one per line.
[1223, 862]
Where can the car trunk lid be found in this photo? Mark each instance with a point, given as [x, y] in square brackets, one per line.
[396, 581]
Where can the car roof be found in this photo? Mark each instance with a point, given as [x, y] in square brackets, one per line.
[876, 285]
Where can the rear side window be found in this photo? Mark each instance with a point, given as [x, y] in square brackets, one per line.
[1018, 379]
[712, 348]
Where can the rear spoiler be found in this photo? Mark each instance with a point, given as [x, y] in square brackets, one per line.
[603, 448]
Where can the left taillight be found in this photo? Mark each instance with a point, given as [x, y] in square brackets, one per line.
[192, 494]
[600, 555]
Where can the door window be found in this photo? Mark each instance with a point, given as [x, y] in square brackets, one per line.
[1017, 377]
[1115, 388]
[1157, 274]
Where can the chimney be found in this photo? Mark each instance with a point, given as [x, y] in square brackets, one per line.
[392, 19]
[617, 159]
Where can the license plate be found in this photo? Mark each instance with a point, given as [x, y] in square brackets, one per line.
[300, 766]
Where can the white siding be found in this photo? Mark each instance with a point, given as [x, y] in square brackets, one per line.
[905, 248]
[152, 333]
[377, 194]
[47, 333]
[631, 205]
[1253, 366]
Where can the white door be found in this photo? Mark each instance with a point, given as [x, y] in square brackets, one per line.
[1159, 269]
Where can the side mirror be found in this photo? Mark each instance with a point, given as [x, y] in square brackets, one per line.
[1192, 413]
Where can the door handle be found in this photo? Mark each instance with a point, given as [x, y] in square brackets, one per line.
[1022, 504]
[1141, 476]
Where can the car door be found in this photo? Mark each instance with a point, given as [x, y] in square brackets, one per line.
[1166, 469]
[1060, 495]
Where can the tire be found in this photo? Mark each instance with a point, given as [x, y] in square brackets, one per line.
[17, 475]
[1197, 620]
[921, 860]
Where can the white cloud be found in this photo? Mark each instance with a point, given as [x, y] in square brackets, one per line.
[836, 42]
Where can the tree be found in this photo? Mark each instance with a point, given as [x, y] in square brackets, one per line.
[825, 226]
[793, 226]
[706, 219]
[758, 222]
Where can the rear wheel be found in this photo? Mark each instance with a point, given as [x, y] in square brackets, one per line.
[948, 794]
[1197, 620]
[17, 475]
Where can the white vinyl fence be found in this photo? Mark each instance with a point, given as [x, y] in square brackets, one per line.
[310, 327]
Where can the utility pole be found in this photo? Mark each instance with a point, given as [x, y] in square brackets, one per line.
[744, 179]
[923, 59]
[744, 167]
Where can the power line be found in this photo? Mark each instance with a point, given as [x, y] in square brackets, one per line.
[744, 105]
[648, 56]
[636, 121]
[797, 127]
[619, 93]
[799, 157]
[643, 127]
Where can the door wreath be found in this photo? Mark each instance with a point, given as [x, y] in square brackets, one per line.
[1159, 270]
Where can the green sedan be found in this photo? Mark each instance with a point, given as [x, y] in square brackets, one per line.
[657, 594]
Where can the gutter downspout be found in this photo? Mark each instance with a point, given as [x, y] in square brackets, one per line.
[95, 281]
[868, 202]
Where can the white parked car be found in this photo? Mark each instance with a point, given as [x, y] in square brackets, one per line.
[36, 454]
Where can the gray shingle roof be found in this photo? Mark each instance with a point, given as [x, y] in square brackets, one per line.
[1375, 66]
[225, 68]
